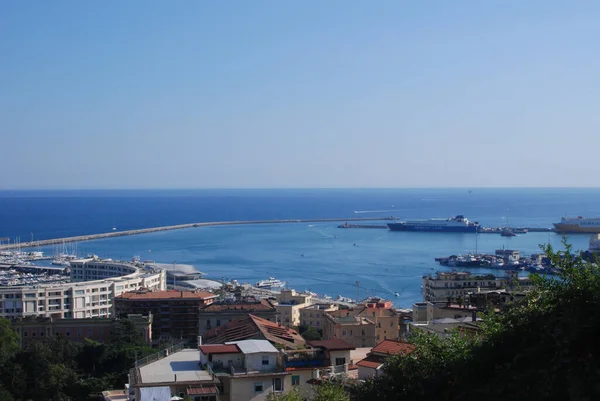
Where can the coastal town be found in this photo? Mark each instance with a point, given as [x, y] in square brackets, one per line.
[236, 341]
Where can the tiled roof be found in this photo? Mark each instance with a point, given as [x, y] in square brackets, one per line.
[332, 345]
[390, 347]
[254, 328]
[161, 295]
[263, 305]
[372, 361]
[219, 349]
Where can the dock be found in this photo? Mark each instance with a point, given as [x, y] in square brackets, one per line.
[483, 230]
[112, 234]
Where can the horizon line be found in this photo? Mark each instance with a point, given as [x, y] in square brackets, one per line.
[291, 188]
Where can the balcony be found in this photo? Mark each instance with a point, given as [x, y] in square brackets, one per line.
[304, 358]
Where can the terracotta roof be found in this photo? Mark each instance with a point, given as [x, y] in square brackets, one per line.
[219, 349]
[254, 328]
[372, 361]
[332, 345]
[161, 295]
[212, 389]
[263, 305]
[390, 347]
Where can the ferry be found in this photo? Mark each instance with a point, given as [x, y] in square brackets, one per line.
[578, 224]
[457, 224]
[270, 284]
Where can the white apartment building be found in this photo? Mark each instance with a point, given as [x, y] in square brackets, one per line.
[81, 298]
[452, 285]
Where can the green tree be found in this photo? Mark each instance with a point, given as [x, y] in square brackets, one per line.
[9, 341]
[292, 395]
[327, 391]
[311, 334]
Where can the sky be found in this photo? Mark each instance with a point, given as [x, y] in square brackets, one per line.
[280, 94]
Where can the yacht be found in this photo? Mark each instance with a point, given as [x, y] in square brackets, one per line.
[270, 284]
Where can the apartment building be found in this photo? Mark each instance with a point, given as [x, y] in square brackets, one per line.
[80, 299]
[32, 329]
[221, 312]
[312, 315]
[355, 330]
[175, 313]
[457, 285]
[288, 306]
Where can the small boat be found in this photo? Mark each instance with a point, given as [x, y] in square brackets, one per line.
[396, 294]
[507, 232]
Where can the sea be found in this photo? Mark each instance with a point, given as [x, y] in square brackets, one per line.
[319, 257]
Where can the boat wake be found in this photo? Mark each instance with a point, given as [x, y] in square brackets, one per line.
[374, 211]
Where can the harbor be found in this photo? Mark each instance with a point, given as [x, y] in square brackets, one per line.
[481, 230]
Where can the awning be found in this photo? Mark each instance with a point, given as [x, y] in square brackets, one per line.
[206, 390]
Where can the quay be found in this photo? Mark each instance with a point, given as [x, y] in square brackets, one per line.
[482, 230]
[90, 237]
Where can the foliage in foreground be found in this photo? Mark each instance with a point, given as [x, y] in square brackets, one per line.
[59, 369]
[322, 392]
[543, 348]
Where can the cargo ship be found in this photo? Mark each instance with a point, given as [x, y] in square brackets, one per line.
[578, 224]
[457, 224]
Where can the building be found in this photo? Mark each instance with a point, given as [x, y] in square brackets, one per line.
[175, 313]
[428, 311]
[31, 329]
[247, 370]
[288, 306]
[378, 311]
[255, 328]
[496, 299]
[457, 285]
[356, 330]
[324, 359]
[173, 373]
[312, 315]
[447, 327]
[80, 299]
[372, 365]
[221, 312]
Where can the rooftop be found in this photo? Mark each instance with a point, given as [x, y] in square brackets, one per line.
[219, 349]
[263, 305]
[254, 346]
[371, 361]
[331, 345]
[254, 327]
[162, 295]
[393, 347]
[181, 366]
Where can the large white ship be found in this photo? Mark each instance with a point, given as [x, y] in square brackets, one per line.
[578, 224]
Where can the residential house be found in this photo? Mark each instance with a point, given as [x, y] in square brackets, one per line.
[372, 364]
[255, 328]
[446, 327]
[175, 312]
[173, 373]
[223, 312]
[248, 370]
[324, 358]
[312, 315]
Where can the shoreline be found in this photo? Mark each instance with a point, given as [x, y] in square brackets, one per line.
[91, 237]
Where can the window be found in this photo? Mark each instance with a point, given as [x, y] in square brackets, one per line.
[218, 323]
[340, 361]
[258, 387]
[295, 380]
[277, 384]
[265, 360]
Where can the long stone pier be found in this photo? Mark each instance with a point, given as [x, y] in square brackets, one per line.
[111, 234]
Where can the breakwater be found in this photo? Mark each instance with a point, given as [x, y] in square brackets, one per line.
[112, 234]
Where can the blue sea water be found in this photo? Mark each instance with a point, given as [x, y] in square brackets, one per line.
[316, 256]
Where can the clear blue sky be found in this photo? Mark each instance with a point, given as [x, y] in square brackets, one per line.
[161, 94]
